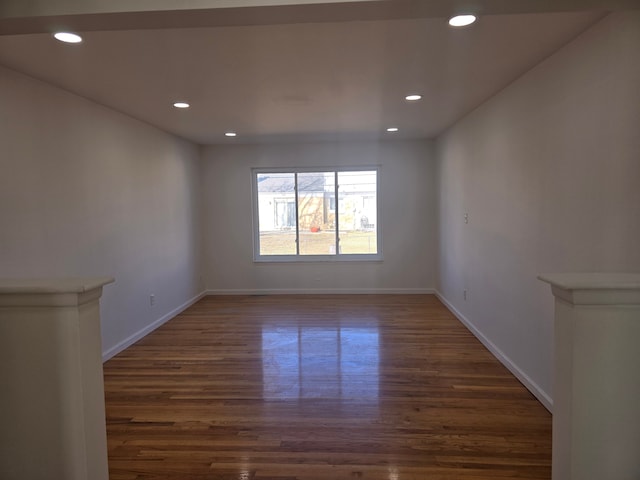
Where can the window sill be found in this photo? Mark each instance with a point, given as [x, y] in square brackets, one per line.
[318, 258]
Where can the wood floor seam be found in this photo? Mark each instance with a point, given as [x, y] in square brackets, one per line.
[306, 387]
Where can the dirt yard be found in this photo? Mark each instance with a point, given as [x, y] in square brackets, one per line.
[318, 243]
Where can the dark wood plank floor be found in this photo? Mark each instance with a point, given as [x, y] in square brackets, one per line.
[377, 387]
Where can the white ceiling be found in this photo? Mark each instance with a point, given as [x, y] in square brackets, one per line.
[301, 81]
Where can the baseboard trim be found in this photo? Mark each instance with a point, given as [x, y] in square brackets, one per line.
[321, 291]
[127, 342]
[532, 386]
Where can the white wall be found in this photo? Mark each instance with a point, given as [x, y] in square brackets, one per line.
[86, 191]
[408, 208]
[549, 173]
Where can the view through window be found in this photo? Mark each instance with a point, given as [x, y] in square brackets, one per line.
[317, 213]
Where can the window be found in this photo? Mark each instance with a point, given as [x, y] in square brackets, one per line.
[316, 214]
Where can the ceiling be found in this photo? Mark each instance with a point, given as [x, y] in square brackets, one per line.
[331, 80]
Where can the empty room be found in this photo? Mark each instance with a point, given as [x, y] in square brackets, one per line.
[278, 240]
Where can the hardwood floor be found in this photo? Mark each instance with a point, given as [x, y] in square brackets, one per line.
[320, 387]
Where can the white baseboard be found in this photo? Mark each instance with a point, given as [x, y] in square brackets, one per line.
[127, 342]
[532, 386]
[321, 291]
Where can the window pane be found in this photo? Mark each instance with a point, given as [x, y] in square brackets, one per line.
[277, 213]
[316, 220]
[357, 210]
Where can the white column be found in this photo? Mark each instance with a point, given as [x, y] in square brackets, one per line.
[596, 389]
[52, 417]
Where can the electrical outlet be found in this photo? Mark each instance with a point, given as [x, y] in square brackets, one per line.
[152, 300]
[466, 218]
[464, 294]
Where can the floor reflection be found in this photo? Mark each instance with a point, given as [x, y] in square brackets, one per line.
[320, 362]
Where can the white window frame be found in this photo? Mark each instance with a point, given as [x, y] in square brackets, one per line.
[330, 257]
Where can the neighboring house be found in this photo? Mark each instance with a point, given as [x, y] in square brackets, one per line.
[277, 201]
[317, 203]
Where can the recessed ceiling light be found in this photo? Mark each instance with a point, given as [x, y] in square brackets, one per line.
[181, 105]
[230, 134]
[462, 20]
[392, 129]
[413, 97]
[67, 37]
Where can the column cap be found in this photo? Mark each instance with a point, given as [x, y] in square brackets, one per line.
[595, 288]
[53, 292]
[52, 285]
